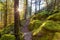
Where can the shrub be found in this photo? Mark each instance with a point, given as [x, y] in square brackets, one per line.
[8, 37]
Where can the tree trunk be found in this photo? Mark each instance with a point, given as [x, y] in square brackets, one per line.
[30, 9]
[5, 16]
[39, 4]
[35, 6]
[16, 19]
[47, 4]
[25, 9]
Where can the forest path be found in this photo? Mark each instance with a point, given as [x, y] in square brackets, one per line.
[27, 34]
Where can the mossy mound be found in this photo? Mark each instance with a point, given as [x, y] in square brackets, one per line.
[39, 17]
[47, 36]
[54, 17]
[34, 24]
[48, 26]
[52, 26]
[7, 37]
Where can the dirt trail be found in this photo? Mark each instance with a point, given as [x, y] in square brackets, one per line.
[27, 34]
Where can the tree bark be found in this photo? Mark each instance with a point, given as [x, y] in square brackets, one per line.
[5, 16]
[16, 19]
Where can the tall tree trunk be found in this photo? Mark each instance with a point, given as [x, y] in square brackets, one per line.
[47, 4]
[39, 4]
[31, 8]
[10, 18]
[35, 6]
[16, 19]
[58, 4]
[1, 14]
[5, 16]
[25, 8]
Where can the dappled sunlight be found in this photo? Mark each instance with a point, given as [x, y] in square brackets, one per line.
[20, 9]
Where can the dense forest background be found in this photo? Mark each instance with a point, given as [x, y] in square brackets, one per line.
[29, 19]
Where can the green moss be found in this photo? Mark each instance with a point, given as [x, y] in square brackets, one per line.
[7, 29]
[34, 24]
[56, 36]
[54, 17]
[52, 26]
[38, 17]
[47, 36]
[8, 37]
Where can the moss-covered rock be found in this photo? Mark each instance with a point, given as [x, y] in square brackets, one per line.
[34, 24]
[54, 17]
[49, 26]
[52, 26]
[47, 36]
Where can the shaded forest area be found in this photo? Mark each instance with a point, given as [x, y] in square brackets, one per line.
[29, 19]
